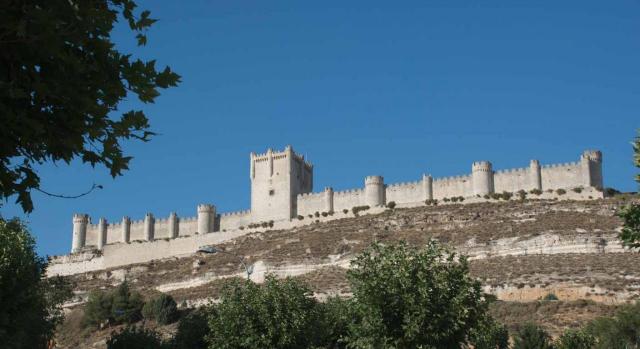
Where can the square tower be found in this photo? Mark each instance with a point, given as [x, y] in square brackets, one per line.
[276, 180]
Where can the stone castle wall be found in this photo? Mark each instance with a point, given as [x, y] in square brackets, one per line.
[281, 184]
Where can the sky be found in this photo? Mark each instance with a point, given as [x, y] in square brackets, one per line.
[361, 88]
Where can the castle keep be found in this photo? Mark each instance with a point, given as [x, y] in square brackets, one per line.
[281, 193]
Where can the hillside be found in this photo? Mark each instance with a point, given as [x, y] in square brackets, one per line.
[520, 250]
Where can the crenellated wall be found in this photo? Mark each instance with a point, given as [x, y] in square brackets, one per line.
[281, 185]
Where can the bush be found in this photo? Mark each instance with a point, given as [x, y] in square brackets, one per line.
[138, 338]
[276, 314]
[575, 339]
[334, 317]
[317, 214]
[620, 331]
[454, 199]
[405, 297]
[522, 194]
[536, 191]
[460, 198]
[163, 309]
[506, 195]
[324, 214]
[30, 304]
[550, 297]
[486, 196]
[345, 211]
[608, 192]
[115, 307]
[445, 199]
[577, 190]
[489, 334]
[300, 217]
[532, 336]
[391, 205]
[191, 333]
[430, 202]
[358, 209]
[561, 191]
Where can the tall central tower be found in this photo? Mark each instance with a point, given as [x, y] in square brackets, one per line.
[276, 180]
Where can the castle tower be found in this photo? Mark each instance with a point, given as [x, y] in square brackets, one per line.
[276, 179]
[126, 229]
[149, 227]
[374, 191]
[482, 177]
[591, 168]
[427, 187]
[173, 225]
[79, 238]
[206, 216]
[102, 233]
[328, 199]
[535, 175]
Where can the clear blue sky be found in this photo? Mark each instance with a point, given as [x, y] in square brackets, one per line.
[389, 88]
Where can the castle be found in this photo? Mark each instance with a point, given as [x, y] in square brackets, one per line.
[281, 195]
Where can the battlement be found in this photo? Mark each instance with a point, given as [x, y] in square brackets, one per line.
[281, 191]
[371, 180]
[481, 166]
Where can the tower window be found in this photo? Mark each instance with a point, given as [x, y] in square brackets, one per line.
[271, 192]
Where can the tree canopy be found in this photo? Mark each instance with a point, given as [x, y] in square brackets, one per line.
[630, 234]
[61, 81]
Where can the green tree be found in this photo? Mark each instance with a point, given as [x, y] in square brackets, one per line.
[619, 332]
[405, 297]
[532, 336]
[630, 234]
[136, 338]
[61, 81]
[334, 317]
[162, 308]
[489, 334]
[575, 339]
[30, 306]
[120, 305]
[277, 314]
[192, 330]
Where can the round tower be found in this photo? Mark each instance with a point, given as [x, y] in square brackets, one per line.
[126, 229]
[173, 225]
[102, 233]
[80, 222]
[206, 214]
[328, 199]
[374, 191]
[427, 186]
[149, 227]
[535, 175]
[482, 176]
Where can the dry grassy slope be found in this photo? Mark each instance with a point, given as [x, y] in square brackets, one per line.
[602, 277]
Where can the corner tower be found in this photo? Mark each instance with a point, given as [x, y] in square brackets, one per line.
[276, 180]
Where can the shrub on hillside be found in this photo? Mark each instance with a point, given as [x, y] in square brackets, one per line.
[391, 205]
[300, 217]
[276, 314]
[134, 337]
[536, 191]
[324, 214]
[577, 190]
[575, 339]
[561, 191]
[120, 305]
[345, 211]
[489, 334]
[431, 202]
[532, 336]
[550, 297]
[163, 309]
[357, 209]
[620, 331]
[192, 330]
[404, 297]
[522, 194]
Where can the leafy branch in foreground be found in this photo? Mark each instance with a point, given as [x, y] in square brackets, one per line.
[61, 81]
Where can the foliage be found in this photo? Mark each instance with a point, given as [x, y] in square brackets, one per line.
[621, 331]
[522, 194]
[409, 298]
[277, 314]
[162, 308]
[630, 234]
[191, 333]
[550, 297]
[577, 190]
[575, 339]
[121, 305]
[357, 209]
[431, 202]
[391, 204]
[489, 334]
[30, 306]
[62, 80]
[334, 317]
[532, 336]
[536, 191]
[134, 337]
[561, 191]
